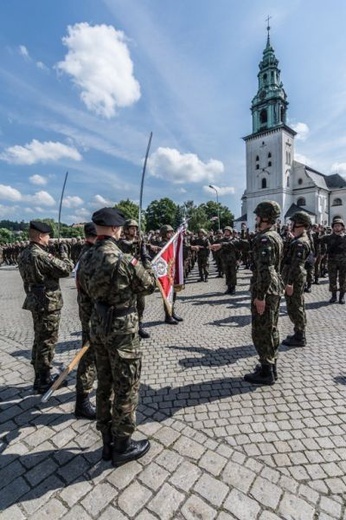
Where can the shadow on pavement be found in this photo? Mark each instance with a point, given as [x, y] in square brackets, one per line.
[340, 380]
[215, 358]
[232, 321]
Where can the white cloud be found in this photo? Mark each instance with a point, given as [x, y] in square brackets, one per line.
[303, 159]
[38, 180]
[72, 202]
[302, 130]
[35, 152]
[40, 65]
[170, 164]
[9, 193]
[23, 51]
[98, 200]
[99, 63]
[339, 168]
[40, 197]
[221, 191]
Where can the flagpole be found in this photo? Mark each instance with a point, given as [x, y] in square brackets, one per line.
[142, 186]
[60, 206]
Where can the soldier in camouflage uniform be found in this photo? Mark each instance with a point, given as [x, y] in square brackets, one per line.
[201, 245]
[266, 290]
[41, 272]
[336, 252]
[230, 255]
[86, 371]
[112, 280]
[294, 277]
[129, 244]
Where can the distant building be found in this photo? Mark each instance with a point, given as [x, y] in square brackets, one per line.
[272, 173]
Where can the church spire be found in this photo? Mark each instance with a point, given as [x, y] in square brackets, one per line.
[269, 106]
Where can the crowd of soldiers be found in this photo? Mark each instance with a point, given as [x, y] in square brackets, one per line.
[114, 274]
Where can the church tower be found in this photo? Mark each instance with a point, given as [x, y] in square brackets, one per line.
[270, 146]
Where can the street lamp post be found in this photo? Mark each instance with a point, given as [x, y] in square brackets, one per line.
[217, 201]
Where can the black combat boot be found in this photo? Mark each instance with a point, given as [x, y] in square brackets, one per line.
[307, 288]
[297, 340]
[107, 440]
[36, 382]
[142, 332]
[258, 370]
[342, 298]
[125, 449]
[228, 290]
[316, 282]
[176, 317]
[84, 409]
[206, 278]
[232, 289]
[262, 376]
[333, 298]
[170, 320]
[46, 380]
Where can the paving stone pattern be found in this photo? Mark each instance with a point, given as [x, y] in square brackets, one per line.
[221, 448]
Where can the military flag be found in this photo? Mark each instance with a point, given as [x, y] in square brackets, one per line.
[168, 268]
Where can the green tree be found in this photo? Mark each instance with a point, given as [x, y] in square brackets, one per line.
[5, 236]
[160, 212]
[214, 209]
[131, 210]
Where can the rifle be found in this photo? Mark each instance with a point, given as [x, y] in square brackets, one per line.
[65, 373]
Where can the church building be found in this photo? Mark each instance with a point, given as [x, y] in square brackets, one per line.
[272, 173]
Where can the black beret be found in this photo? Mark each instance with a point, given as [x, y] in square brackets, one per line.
[42, 227]
[90, 229]
[108, 217]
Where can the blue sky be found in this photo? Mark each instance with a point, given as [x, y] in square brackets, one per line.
[84, 82]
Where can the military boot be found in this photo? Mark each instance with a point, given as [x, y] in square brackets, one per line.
[297, 340]
[170, 320]
[258, 370]
[84, 409]
[36, 381]
[45, 381]
[232, 289]
[333, 298]
[228, 290]
[125, 449]
[142, 332]
[342, 298]
[262, 376]
[107, 440]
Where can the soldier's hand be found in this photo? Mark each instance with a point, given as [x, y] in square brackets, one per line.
[144, 255]
[289, 290]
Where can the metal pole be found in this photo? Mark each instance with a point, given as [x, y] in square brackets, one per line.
[217, 202]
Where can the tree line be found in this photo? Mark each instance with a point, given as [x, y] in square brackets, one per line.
[158, 212]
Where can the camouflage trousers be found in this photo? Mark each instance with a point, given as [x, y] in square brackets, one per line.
[296, 307]
[265, 333]
[337, 269]
[119, 363]
[203, 266]
[230, 270]
[46, 331]
[140, 306]
[86, 371]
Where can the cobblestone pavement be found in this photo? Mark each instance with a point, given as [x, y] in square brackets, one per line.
[221, 448]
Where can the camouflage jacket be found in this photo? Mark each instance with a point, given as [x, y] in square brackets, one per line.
[112, 280]
[40, 272]
[298, 250]
[267, 249]
[336, 245]
[231, 249]
[130, 247]
[203, 247]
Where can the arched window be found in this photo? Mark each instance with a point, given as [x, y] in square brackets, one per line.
[263, 116]
[300, 181]
[257, 158]
[269, 155]
[269, 163]
[288, 181]
[301, 202]
[337, 202]
[263, 183]
[257, 166]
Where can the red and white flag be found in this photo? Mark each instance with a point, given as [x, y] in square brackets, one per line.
[168, 268]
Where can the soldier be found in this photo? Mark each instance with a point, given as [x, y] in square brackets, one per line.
[230, 255]
[41, 272]
[294, 277]
[217, 253]
[112, 280]
[86, 371]
[129, 244]
[336, 252]
[201, 245]
[266, 289]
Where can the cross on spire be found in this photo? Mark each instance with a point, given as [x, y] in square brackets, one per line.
[268, 27]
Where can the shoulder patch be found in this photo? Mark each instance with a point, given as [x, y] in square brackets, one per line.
[264, 240]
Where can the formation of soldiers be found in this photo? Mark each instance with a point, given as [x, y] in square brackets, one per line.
[114, 273]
